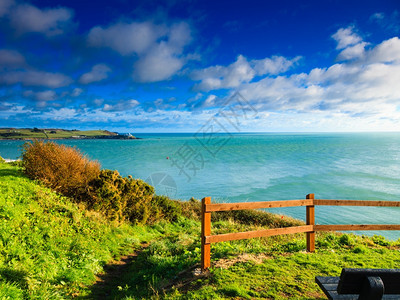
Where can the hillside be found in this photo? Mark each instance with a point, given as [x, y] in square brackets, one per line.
[55, 133]
[52, 248]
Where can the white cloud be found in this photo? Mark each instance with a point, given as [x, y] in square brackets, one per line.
[355, 51]
[11, 58]
[121, 105]
[97, 73]
[241, 71]
[46, 95]
[98, 102]
[165, 58]
[60, 114]
[217, 77]
[126, 38]
[154, 120]
[9, 109]
[390, 23]
[386, 52]
[364, 86]
[35, 78]
[346, 37]
[5, 6]
[42, 96]
[179, 36]
[157, 49]
[76, 92]
[158, 64]
[377, 16]
[28, 18]
[353, 48]
[210, 101]
[274, 65]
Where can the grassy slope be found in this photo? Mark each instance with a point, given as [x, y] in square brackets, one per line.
[50, 249]
[28, 134]
[266, 268]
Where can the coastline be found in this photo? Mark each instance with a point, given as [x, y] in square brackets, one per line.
[8, 160]
[18, 134]
[71, 138]
[261, 167]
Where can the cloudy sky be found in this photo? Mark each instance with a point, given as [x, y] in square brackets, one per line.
[169, 66]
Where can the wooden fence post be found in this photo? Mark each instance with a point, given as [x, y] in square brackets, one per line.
[205, 231]
[310, 219]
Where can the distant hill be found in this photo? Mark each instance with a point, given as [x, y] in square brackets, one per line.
[56, 133]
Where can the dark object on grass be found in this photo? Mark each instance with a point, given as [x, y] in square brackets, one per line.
[362, 284]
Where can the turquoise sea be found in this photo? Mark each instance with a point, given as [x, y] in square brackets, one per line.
[261, 167]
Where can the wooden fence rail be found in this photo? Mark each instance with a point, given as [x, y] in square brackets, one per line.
[310, 228]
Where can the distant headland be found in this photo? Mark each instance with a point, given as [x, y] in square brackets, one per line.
[56, 133]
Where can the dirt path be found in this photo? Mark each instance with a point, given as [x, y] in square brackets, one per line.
[110, 279]
[117, 273]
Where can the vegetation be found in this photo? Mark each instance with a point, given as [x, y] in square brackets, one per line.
[36, 133]
[121, 198]
[55, 248]
[264, 268]
[50, 248]
[59, 167]
[65, 170]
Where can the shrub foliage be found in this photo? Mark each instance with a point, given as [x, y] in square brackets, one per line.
[165, 208]
[121, 198]
[69, 172]
[62, 168]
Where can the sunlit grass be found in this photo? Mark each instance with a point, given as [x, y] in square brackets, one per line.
[51, 248]
[44, 134]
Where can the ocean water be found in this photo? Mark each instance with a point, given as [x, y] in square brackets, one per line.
[262, 167]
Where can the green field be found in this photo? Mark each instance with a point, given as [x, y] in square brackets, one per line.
[53, 248]
[28, 133]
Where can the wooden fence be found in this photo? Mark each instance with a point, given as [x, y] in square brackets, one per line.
[310, 228]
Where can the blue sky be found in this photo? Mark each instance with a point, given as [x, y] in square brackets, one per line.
[172, 66]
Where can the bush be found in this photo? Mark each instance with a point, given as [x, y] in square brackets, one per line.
[16, 163]
[165, 208]
[2, 161]
[62, 168]
[346, 240]
[121, 198]
[67, 171]
[190, 209]
[360, 249]
[380, 240]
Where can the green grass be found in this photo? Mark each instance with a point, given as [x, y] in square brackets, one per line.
[287, 272]
[52, 249]
[265, 268]
[49, 247]
[44, 134]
